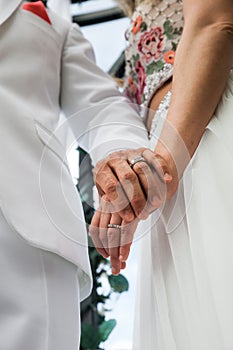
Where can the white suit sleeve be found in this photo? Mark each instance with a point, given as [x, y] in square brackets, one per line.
[102, 119]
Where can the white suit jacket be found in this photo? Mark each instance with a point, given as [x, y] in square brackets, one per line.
[45, 68]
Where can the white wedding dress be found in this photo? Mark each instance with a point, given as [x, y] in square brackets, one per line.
[185, 281]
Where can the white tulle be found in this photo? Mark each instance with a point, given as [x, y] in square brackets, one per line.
[185, 285]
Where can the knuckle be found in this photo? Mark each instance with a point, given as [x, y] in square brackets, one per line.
[123, 208]
[138, 201]
[141, 168]
[129, 176]
[122, 203]
[114, 155]
[110, 186]
[106, 207]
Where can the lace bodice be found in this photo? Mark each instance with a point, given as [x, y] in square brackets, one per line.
[152, 36]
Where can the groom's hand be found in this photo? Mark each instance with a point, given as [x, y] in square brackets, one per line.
[133, 187]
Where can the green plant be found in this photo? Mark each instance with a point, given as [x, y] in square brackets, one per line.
[95, 328]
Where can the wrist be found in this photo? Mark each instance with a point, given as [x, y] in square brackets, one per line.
[173, 150]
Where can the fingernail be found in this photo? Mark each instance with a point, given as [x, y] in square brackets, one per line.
[121, 258]
[114, 271]
[167, 177]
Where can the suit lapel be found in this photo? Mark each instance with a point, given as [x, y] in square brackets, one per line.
[7, 7]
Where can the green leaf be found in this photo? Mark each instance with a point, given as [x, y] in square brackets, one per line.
[129, 63]
[168, 29]
[106, 328]
[178, 31]
[154, 67]
[174, 46]
[135, 59]
[134, 76]
[169, 36]
[167, 26]
[90, 337]
[143, 27]
[118, 283]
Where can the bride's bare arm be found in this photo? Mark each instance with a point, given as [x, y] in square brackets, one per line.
[202, 64]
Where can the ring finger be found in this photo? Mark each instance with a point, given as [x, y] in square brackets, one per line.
[114, 239]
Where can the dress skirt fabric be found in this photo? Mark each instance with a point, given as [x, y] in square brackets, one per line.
[185, 283]
[39, 296]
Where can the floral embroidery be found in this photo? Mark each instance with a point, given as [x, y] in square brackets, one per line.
[132, 88]
[132, 91]
[151, 44]
[168, 29]
[141, 75]
[154, 67]
[137, 25]
[169, 57]
[153, 38]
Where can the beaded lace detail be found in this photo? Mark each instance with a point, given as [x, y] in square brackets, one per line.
[159, 117]
[153, 35]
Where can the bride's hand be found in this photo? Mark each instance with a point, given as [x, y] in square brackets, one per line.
[111, 236]
[164, 167]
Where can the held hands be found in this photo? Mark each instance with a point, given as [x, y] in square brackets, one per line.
[112, 236]
[131, 185]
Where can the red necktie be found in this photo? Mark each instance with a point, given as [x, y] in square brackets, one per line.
[38, 9]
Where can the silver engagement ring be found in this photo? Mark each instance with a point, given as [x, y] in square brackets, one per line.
[114, 226]
[136, 160]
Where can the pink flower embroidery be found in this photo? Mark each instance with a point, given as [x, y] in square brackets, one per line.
[140, 71]
[151, 44]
